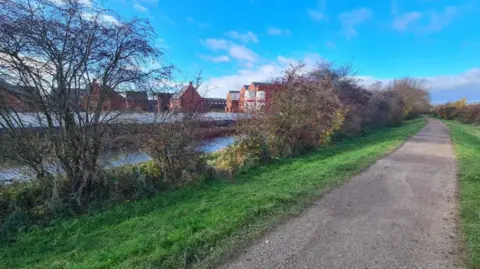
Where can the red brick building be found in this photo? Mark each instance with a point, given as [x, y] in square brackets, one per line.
[186, 100]
[163, 101]
[214, 104]
[268, 88]
[261, 94]
[17, 97]
[233, 99]
[113, 100]
[137, 101]
[241, 100]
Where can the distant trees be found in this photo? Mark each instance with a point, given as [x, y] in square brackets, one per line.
[52, 52]
[312, 106]
[459, 110]
[415, 97]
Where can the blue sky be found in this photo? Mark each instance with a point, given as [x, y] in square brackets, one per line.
[234, 42]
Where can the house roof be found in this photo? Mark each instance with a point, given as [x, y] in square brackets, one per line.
[179, 94]
[234, 95]
[72, 93]
[13, 88]
[256, 84]
[138, 96]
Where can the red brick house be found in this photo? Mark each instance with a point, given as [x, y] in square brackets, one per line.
[233, 98]
[113, 100]
[17, 97]
[241, 100]
[137, 101]
[261, 94]
[266, 99]
[214, 104]
[163, 101]
[186, 100]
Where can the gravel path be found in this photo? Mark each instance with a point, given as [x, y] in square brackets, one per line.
[399, 213]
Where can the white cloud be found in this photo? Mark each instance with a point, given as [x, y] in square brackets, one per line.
[215, 44]
[140, 8]
[438, 20]
[425, 22]
[104, 18]
[247, 37]
[110, 19]
[351, 19]
[278, 31]
[235, 50]
[219, 86]
[242, 53]
[445, 88]
[403, 21]
[469, 79]
[84, 2]
[215, 59]
[330, 44]
[318, 14]
[198, 24]
[286, 61]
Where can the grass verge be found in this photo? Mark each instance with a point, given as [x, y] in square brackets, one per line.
[203, 225]
[466, 140]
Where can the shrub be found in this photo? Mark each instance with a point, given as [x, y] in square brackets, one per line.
[416, 99]
[244, 154]
[459, 110]
[385, 108]
[355, 100]
[304, 112]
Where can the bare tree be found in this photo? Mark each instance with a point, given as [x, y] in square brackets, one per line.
[414, 93]
[66, 60]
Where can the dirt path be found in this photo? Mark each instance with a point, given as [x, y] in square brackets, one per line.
[399, 213]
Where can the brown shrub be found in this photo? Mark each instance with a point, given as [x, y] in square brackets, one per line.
[305, 112]
[385, 108]
[416, 98]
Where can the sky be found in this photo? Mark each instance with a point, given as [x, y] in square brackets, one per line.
[235, 42]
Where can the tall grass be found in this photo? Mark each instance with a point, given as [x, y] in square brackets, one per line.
[202, 225]
[466, 139]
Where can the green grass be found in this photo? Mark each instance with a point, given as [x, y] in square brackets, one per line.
[466, 139]
[203, 225]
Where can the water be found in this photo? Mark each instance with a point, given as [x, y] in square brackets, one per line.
[114, 159]
[35, 120]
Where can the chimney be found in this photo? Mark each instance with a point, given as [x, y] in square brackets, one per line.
[95, 86]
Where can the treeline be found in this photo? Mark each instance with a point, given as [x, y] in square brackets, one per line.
[311, 107]
[459, 110]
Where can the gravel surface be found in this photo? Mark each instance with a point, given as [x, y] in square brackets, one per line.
[399, 213]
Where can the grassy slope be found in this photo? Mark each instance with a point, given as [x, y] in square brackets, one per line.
[200, 225]
[466, 139]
